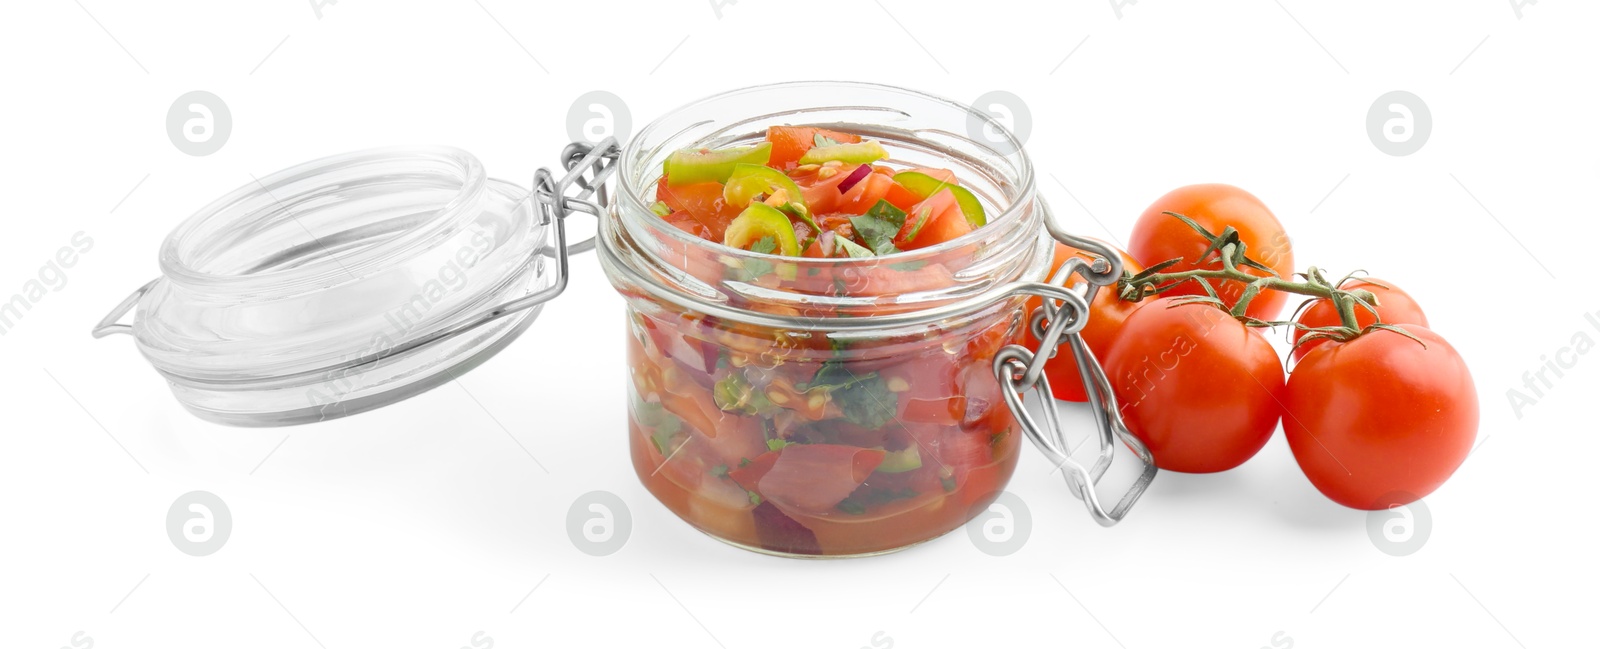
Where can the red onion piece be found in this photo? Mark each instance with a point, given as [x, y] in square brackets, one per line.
[825, 242]
[855, 176]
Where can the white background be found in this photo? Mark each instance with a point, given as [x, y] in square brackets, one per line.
[424, 525]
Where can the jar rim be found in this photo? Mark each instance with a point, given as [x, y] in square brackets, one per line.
[630, 196]
[997, 258]
[243, 204]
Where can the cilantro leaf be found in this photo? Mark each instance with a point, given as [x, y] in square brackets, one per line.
[766, 245]
[888, 212]
[751, 269]
[823, 140]
[865, 400]
[879, 226]
[851, 247]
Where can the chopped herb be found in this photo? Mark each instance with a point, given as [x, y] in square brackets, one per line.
[720, 470]
[765, 245]
[865, 400]
[862, 498]
[851, 247]
[879, 226]
[659, 208]
[948, 482]
[755, 498]
[744, 462]
[776, 444]
[823, 140]
[888, 212]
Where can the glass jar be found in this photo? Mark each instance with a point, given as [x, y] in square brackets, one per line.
[833, 407]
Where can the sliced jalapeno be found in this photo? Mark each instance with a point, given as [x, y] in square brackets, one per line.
[924, 186]
[689, 166]
[758, 222]
[857, 153]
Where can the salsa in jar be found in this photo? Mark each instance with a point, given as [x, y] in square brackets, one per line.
[794, 387]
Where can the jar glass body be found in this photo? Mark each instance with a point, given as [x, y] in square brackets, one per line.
[824, 407]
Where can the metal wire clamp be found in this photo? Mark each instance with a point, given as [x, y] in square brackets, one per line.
[1019, 369]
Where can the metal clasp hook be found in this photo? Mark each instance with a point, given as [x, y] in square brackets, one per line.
[1018, 369]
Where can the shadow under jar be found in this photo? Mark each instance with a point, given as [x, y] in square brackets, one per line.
[824, 407]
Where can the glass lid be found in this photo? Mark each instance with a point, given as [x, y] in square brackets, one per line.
[340, 285]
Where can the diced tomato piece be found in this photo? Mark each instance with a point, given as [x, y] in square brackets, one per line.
[814, 250]
[945, 175]
[812, 478]
[749, 475]
[702, 202]
[822, 194]
[791, 142]
[682, 221]
[901, 197]
[928, 223]
[945, 226]
[865, 194]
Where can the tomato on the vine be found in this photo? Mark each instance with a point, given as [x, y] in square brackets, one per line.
[1158, 237]
[1394, 306]
[1106, 314]
[1381, 419]
[1197, 386]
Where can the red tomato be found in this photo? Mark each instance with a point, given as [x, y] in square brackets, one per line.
[702, 202]
[1158, 237]
[749, 474]
[822, 194]
[945, 175]
[1197, 386]
[1381, 420]
[812, 478]
[1106, 314]
[931, 219]
[865, 194]
[682, 221]
[791, 142]
[901, 197]
[1394, 306]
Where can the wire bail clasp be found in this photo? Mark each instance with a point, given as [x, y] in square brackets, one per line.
[1059, 319]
